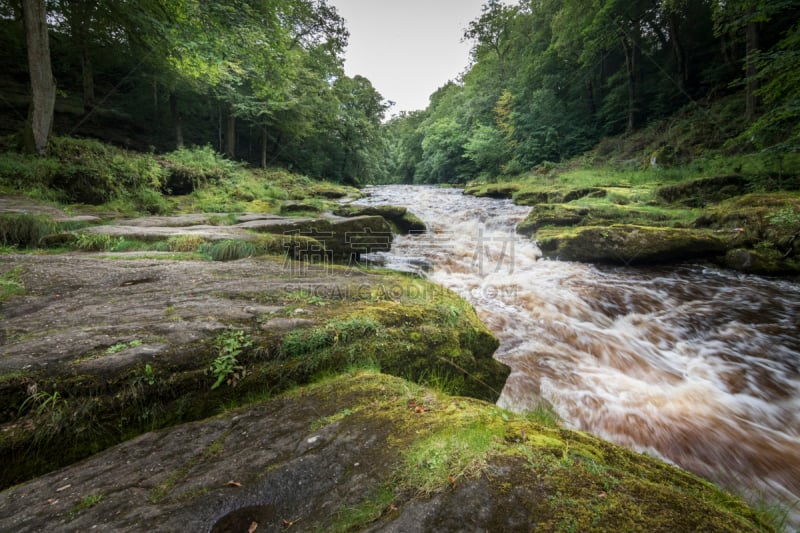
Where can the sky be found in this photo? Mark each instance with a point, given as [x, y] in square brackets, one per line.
[407, 48]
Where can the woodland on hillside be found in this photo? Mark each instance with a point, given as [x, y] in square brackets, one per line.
[262, 82]
[551, 78]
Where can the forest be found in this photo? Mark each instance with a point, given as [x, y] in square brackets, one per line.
[259, 81]
[263, 82]
[550, 79]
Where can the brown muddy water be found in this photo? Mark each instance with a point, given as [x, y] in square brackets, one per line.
[696, 365]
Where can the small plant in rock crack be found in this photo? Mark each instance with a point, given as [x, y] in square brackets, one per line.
[226, 367]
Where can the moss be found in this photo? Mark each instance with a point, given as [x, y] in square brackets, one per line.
[552, 479]
[399, 218]
[551, 215]
[492, 190]
[11, 284]
[621, 244]
[533, 195]
[699, 192]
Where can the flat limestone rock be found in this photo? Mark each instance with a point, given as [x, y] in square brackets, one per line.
[333, 456]
[342, 237]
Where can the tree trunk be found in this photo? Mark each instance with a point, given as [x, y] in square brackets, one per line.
[177, 120]
[230, 135]
[156, 116]
[751, 57]
[631, 68]
[263, 147]
[678, 51]
[43, 86]
[88, 78]
[590, 96]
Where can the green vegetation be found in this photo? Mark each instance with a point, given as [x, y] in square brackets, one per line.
[226, 368]
[261, 81]
[229, 250]
[87, 502]
[440, 447]
[120, 346]
[551, 80]
[11, 284]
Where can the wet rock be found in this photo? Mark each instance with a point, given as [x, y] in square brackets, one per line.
[628, 245]
[401, 219]
[343, 454]
[763, 262]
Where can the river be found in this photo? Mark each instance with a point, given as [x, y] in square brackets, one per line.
[693, 364]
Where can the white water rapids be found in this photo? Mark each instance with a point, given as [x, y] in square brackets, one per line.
[695, 365]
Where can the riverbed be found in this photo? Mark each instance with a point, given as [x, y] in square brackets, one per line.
[690, 363]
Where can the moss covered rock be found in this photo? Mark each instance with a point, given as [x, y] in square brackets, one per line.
[551, 215]
[700, 192]
[620, 244]
[492, 190]
[97, 350]
[368, 452]
[399, 218]
[557, 195]
[768, 262]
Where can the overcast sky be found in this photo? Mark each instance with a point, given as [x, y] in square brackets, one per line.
[407, 48]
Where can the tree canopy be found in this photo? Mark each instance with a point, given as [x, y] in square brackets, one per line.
[550, 78]
[261, 80]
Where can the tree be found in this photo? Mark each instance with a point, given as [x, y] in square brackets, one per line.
[43, 86]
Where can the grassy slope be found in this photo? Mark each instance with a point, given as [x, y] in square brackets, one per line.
[688, 171]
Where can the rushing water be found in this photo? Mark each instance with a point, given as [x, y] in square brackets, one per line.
[695, 365]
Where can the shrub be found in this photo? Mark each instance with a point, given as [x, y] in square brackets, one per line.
[189, 168]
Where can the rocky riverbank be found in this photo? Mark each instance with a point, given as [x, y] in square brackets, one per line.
[714, 219]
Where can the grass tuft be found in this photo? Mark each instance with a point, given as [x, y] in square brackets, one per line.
[228, 250]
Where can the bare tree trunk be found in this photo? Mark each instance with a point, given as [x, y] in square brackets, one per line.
[263, 147]
[590, 97]
[177, 120]
[752, 38]
[678, 50]
[631, 68]
[156, 116]
[43, 86]
[88, 78]
[230, 135]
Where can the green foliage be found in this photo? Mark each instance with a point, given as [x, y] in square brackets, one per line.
[87, 502]
[149, 376]
[787, 218]
[449, 456]
[120, 346]
[183, 243]
[24, 229]
[11, 284]
[228, 250]
[308, 341]
[45, 403]
[549, 79]
[188, 169]
[226, 367]
[98, 242]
